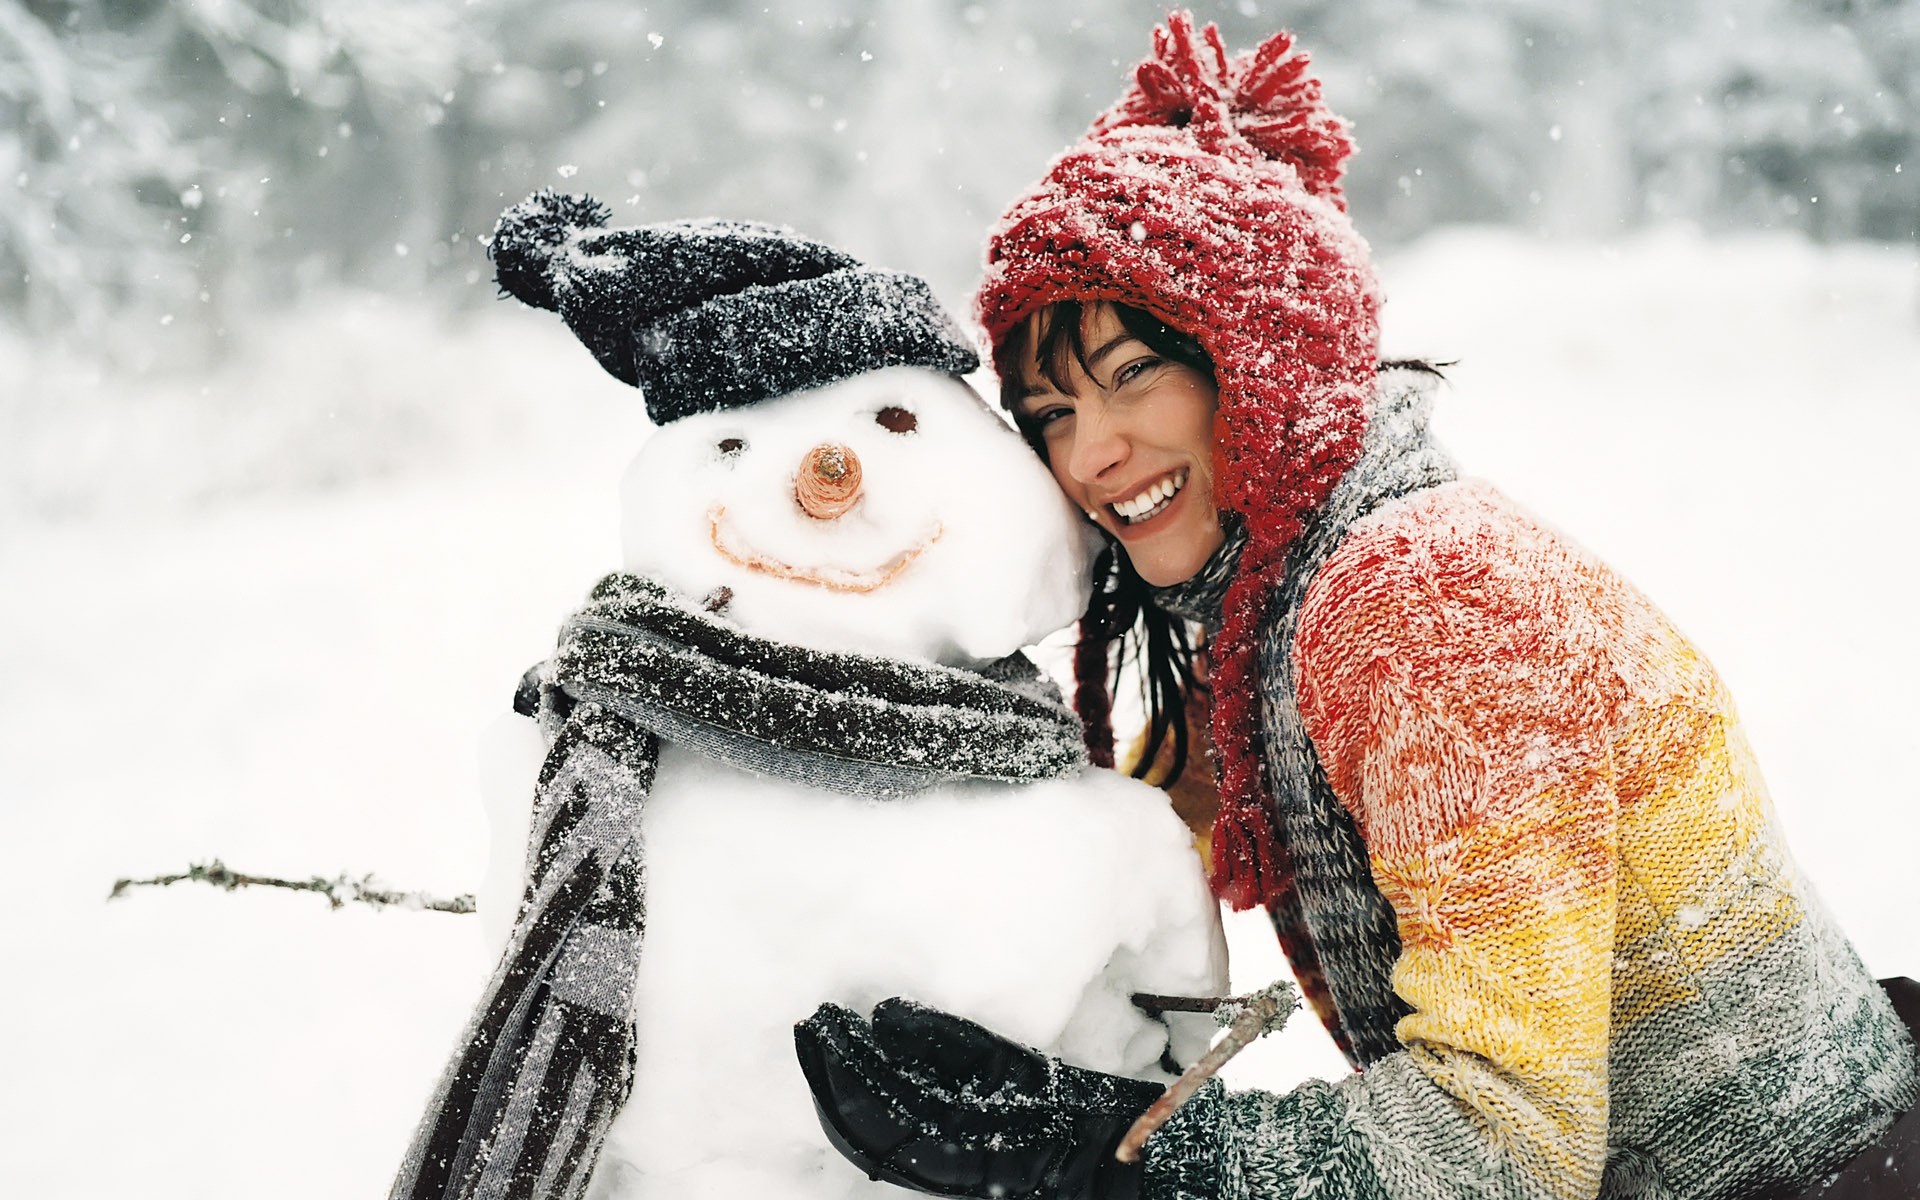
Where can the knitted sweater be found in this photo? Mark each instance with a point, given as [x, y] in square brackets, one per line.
[1538, 890]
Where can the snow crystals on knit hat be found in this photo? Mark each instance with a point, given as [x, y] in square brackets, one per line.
[1209, 196]
[706, 315]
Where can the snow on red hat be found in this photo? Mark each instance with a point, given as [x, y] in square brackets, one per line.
[1209, 196]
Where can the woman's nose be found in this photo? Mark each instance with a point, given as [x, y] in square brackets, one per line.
[1098, 445]
[828, 483]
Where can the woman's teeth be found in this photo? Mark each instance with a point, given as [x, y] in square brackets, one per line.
[1151, 502]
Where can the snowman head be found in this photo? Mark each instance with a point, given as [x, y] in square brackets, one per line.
[888, 513]
[820, 474]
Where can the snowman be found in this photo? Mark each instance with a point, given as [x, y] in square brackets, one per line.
[792, 753]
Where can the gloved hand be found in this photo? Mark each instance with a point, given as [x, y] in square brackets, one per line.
[933, 1102]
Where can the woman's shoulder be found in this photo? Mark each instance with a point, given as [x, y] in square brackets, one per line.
[1456, 603]
[1461, 586]
[1464, 533]
[1461, 573]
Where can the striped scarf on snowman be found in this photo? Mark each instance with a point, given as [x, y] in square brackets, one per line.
[547, 1058]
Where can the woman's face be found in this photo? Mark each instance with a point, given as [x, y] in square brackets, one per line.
[1130, 440]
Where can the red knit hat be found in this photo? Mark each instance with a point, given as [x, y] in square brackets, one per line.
[1209, 196]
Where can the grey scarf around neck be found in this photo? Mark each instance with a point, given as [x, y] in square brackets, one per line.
[1200, 598]
[548, 1056]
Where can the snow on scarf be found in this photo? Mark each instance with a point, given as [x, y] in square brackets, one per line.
[548, 1057]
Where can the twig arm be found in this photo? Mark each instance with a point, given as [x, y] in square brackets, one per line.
[1250, 1016]
[339, 891]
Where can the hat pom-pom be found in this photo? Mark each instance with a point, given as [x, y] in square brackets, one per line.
[1182, 83]
[1277, 107]
[1262, 104]
[527, 236]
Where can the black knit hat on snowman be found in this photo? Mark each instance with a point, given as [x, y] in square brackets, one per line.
[707, 315]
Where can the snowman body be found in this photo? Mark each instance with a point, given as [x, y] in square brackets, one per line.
[1035, 908]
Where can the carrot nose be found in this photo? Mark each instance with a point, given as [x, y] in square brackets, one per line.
[829, 481]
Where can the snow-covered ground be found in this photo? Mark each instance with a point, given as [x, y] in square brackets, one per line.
[236, 642]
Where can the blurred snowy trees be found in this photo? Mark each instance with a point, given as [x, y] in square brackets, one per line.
[180, 165]
[1803, 113]
[175, 163]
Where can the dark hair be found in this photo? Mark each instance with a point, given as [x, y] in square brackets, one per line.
[1121, 624]
[1056, 333]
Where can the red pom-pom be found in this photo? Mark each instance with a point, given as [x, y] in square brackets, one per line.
[1278, 107]
[1264, 100]
[1184, 81]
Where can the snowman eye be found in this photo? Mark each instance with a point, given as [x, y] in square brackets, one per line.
[895, 419]
[732, 446]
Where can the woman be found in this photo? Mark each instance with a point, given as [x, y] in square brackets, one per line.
[1501, 812]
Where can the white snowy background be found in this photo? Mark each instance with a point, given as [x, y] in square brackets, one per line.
[297, 682]
[260, 602]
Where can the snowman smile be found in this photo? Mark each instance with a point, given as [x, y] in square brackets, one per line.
[836, 579]
[1152, 500]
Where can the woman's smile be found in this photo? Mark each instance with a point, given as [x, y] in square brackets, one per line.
[1151, 501]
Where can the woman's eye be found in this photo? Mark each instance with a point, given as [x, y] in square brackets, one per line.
[731, 446]
[1133, 370]
[1046, 418]
[895, 419]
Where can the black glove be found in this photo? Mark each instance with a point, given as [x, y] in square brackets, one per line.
[930, 1101]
